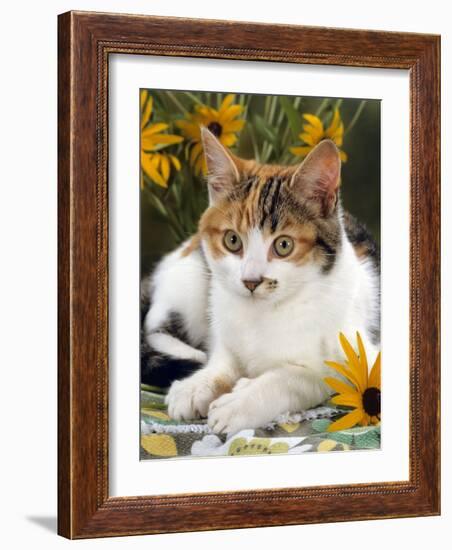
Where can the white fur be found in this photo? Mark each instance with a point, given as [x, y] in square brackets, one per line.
[170, 345]
[269, 345]
[180, 284]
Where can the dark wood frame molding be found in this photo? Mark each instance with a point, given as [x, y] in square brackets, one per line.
[85, 41]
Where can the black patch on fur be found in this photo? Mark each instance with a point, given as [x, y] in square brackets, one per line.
[361, 238]
[242, 190]
[274, 206]
[248, 185]
[263, 200]
[330, 254]
[161, 369]
[174, 326]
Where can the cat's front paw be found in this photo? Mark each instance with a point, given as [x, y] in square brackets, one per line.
[190, 398]
[236, 411]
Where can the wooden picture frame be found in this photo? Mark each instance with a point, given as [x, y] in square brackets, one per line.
[86, 40]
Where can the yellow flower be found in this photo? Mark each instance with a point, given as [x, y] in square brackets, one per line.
[222, 122]
[363, 395]
[314, 132]
[155, 164]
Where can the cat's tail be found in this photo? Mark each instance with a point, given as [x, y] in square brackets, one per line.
[165, 351]
[165, 358]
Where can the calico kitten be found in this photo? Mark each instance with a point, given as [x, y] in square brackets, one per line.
[258, 296]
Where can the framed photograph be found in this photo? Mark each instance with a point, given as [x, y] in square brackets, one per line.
[248, 217]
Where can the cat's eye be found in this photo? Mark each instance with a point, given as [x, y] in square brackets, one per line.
[283, 246]
[232, 241]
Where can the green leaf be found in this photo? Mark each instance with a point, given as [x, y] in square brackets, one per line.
[265, 130]
[293, 116]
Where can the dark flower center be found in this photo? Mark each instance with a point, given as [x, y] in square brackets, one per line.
[371, 401]
[215, 128]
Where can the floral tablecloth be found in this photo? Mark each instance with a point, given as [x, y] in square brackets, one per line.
[162, 437]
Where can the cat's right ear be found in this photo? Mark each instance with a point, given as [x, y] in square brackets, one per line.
[222, 172]
[317, 179]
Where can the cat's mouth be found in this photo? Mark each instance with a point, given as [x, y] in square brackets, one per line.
[260, 288]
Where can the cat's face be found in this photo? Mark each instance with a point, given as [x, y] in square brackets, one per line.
[270, 230]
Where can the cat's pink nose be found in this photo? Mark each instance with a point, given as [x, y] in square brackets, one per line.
[252, 284]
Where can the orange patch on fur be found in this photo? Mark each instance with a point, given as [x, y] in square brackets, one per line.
[361, 250]
[214, 222]
[221, 386]
[193, 245]
[304, 236]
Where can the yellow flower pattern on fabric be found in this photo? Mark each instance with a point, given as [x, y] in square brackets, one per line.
[257, 446]
[363, 394]
[159, 445]
[330, 445]
[222, 122]
[155, 414]
[156, 165]
[289, 428]
[314, 132]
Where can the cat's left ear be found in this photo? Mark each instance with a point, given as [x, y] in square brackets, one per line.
[222, 172]
[317, 178]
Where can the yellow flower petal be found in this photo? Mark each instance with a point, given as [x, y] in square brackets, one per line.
[154, 129]
[353, 359]
[362, 356]
[335, 122]
[165, 168]
[338, 135]
[348, 400]
[365, 420]
[227, 101]
[347, 421]
[176, 162]
[339, 386]
[149, 142]
[314, 121]
[375, 373]
[146, 114]
[149, 163]
[308, 138]
[300, 151]
[231, 113]
[195, 152]
[189, 129]
[233, 126]
[228, 140]
[343, 156]
[201, 166]
[143, 98]
[346, 372]
[316, 134]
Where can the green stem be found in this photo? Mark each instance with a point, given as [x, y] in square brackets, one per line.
[267, 107]
[322, 106]
[254, 142]
[193, 98]
[177, 102]
[273, 104]
[338, 104]
[356, 116]
[286, 135]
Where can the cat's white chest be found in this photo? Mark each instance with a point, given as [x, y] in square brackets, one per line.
[263, 336]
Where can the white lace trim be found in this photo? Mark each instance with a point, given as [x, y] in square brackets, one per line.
[152, 426]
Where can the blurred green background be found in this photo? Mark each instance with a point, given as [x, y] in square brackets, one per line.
[273, 129]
